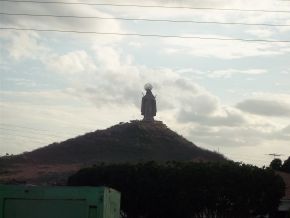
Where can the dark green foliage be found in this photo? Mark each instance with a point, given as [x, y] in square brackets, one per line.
[276, 164]
[286, 166]
[188, 190]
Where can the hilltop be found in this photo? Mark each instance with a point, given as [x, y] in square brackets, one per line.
[135, 141]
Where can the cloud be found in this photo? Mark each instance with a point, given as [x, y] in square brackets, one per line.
[37, 45]
[243, 135]
[230, 72]
[222, 49]
[180, 96]
[24, 45]
[71, 63]
[265, 107]
[108, 76]
[199, 48]
[283, 133]
[226, 136]
[201, 104]
[229, 117]
[59, 23]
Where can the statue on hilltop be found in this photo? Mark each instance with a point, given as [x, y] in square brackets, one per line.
[148, 107]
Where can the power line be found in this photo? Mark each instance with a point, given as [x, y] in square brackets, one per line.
[145, 35]
[147, 6]
[144, 19]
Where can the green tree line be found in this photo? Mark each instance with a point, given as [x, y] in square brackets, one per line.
[188, 190]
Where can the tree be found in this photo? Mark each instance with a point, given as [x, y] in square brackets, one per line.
[188, 190]
[276, 164]
[286, 165]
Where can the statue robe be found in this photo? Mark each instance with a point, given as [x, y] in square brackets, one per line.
[148, 107]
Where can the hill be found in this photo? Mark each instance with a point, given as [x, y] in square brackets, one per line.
[126, 142]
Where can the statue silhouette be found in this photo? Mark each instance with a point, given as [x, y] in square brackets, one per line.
[148, 107]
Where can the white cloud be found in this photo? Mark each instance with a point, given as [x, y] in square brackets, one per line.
[231, 72]
[201, 104]
[24, 45]
[71, 63]
[223, 49]
[194, 103]
[59, 23]
[280, 97]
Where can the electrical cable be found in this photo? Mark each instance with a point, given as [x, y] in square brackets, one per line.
[146, 6]
[145, 35]
[145, 19]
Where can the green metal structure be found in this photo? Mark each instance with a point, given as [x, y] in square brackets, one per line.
[58, 202]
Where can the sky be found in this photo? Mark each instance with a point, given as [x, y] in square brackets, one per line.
[230, 96]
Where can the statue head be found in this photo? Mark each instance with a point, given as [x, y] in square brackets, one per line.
[148, 87]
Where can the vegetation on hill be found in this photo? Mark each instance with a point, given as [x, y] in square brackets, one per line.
[126, 142]
[188, 190]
